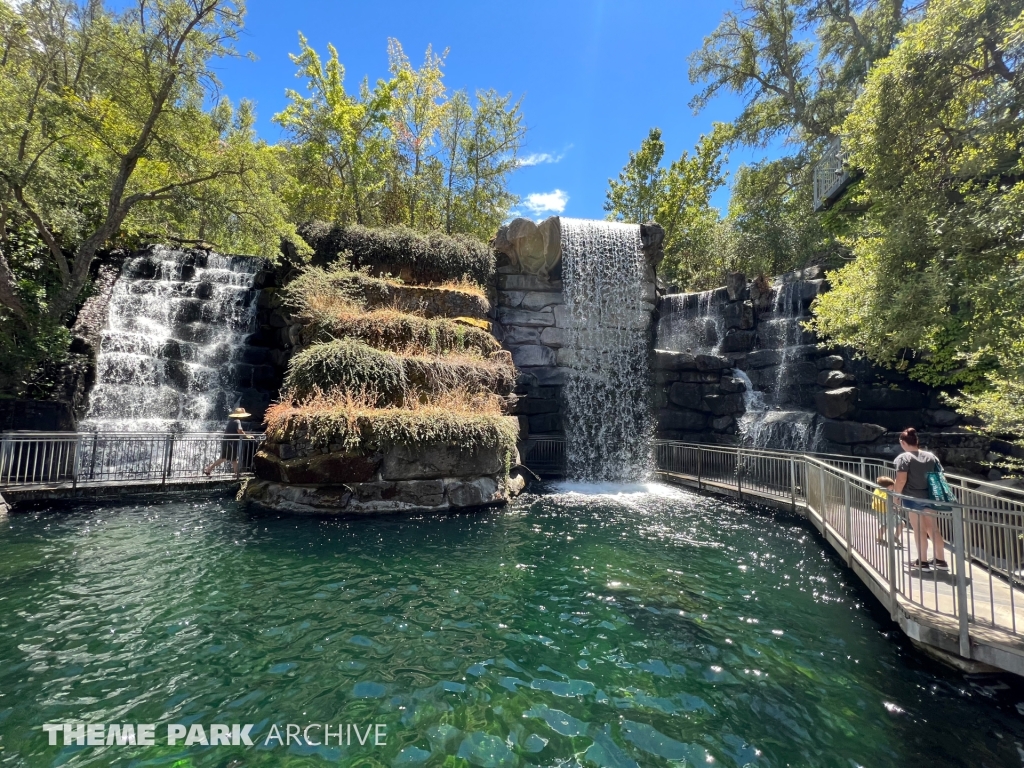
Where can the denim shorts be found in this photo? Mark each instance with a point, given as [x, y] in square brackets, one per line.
[916, 505]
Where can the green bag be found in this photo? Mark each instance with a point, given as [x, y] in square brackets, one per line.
[939, 490]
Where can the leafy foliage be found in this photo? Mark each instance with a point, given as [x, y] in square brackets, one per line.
[939, 268]
[403, 151]
[422, 257]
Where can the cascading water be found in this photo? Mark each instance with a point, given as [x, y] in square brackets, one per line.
[175, 333]
[772, 417]
[607, 414]
[693, 322]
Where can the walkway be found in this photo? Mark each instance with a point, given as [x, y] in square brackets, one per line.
[984, 535]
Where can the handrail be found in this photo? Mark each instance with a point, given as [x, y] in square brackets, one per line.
[983, 534]
[73, 459]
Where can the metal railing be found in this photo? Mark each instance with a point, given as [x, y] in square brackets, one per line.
[544, 455]
[831, 176]
[75, 459]
[982, 534]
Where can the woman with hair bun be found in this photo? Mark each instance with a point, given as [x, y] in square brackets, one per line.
[912, 468]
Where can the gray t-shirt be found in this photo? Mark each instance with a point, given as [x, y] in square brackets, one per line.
[917, 465]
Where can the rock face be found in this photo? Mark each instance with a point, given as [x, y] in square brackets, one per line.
[531, 319]
[294, 476]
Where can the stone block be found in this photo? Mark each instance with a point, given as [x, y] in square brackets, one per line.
[433, 460]
[731, 385]
[531, 406]
[832, 362]
[535, 300]
[561, 316]
[529, 355]
[420, 493]
[712, 362]
[547, 376]
[540, 319]
[473, 493]
[762, 358]
[528, 283]
[738, 314]
[511, 299]
[942, 417]
[722, 423]
[545, 422]
[685, 421]
[521, 334]
[553, 337]
[894, 421]
[722, 405]
[831, 379]
[686, 395]
[738, 341]
[664, 360]
[809, 289]
[836, 403]
[318, 469]
[736, 286]
[851, 432]
[884, 398]
[666, 377]
[567, 358]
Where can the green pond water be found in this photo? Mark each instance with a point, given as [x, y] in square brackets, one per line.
[651, 627]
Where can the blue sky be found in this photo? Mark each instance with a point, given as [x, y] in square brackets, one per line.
[595, 75]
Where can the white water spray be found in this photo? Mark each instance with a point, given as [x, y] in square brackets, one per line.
[608, 422]
[169, 355]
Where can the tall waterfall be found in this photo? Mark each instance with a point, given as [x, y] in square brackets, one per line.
[171, 356]
[607, 414]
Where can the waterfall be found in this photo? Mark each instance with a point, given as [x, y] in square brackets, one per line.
[693, 322]
[607, 414]
[172, 356]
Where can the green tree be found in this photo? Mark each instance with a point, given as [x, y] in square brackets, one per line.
[937, 282]
[636, 194]
[105, 131]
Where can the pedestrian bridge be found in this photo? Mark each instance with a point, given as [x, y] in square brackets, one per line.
[55, 465]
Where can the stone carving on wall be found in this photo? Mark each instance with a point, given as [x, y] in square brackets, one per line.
[535, 248]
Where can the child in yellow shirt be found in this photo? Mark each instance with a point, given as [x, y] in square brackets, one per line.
[879, 504]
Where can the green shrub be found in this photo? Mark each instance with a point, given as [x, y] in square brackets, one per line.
[386, 329]
[348, 365]
[430, 257]
[386, 378]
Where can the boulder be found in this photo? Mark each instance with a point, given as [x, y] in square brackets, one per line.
[511, 299]
[712, 362]
[420, 493]
[738, 314]
[895, 421]
[722, 405]
[831, 362]
[736, 286]
[850, 432]
[836, 403]
[809, 289]
[832, 379]
[722, 423]
[529, 355]
[762, 358]
[942, 417]
[546, 376]
[732, 384]
[434, 460]
[652, 239]
[685, 421]
[536, 249]
[473, 493]
[887, 399]
[738, 341]
[664, 360]
[686, 395]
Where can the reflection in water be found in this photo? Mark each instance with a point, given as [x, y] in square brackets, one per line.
[594, 625]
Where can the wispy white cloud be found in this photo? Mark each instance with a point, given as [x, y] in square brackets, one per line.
[539, 158]
[539, 203]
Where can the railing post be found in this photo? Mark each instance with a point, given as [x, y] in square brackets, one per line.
[700, 466]
[822, 500]
[739, 475]
[863, 468]
[168, 451]
[792, 482]
[74, 469]
[890, 536]
[960, 561]
[92, 461]
[849, 521]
